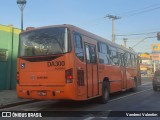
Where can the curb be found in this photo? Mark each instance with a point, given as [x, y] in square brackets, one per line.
[17, 103]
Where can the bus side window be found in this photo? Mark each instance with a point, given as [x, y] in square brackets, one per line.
[121, 55]
[103, 53]
[128, 60]
[88, 55]
[114, 55]
[78, 46]
[93, 55]
[136, 59]
[133, 60]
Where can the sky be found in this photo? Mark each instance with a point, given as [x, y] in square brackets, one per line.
[140, 19]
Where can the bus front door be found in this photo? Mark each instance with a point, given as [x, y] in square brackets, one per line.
[91, 70]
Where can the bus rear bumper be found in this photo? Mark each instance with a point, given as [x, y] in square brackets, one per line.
[45, 93]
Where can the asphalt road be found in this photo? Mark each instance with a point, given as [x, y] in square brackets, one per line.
[144, 99]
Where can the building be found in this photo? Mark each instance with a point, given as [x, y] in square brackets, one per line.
[146, 65]
[156, 55]
[9, 40]
[155, 52]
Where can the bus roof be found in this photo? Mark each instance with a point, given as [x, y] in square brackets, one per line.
[86, 33]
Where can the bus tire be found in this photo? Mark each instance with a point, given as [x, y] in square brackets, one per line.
[134, 88]
[105, 93]
[155, 88]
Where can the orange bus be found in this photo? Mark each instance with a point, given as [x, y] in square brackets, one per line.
[65, 62]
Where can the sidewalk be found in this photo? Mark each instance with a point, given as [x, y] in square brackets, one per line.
[9, 98]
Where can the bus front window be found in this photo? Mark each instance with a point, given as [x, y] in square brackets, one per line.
[43, 42]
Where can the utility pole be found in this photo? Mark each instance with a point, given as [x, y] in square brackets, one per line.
[112, 18]
[21, 4]
[154, 66]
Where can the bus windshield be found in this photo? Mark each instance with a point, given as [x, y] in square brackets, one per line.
[44, 42]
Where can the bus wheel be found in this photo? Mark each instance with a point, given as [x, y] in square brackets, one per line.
[105, 93]
[134, 88]
[154, 88]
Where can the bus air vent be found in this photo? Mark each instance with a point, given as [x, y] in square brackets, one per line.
[80, 76]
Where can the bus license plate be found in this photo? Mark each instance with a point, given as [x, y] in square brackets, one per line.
[42, 93]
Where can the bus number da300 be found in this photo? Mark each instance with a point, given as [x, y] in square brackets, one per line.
[56, 63]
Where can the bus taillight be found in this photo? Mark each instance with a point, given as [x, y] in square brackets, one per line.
[69, 75]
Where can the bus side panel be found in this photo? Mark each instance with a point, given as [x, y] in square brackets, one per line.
[114, 75]
[79, 67]
[80, 86]
[101, 75]
[114, 78]
[130, 74]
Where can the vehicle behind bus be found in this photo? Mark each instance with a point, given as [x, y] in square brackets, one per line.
[156, 80]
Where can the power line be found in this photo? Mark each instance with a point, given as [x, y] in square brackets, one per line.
[142, 41]
[144, 11]
[137, 38]
[128, 14]
[141, 10]
[112, 17]
[136, 34]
